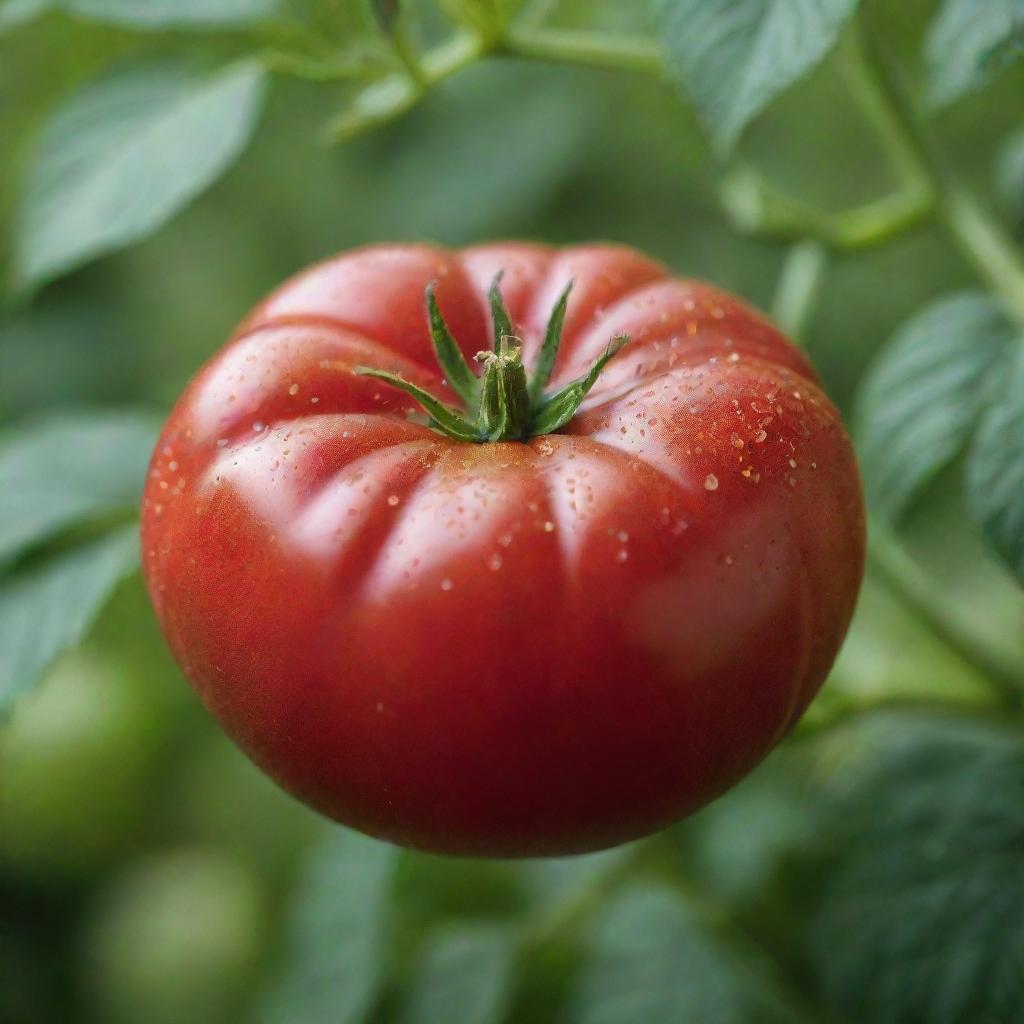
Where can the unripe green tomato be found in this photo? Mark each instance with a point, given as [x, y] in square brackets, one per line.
[75, 765]
[176, 940]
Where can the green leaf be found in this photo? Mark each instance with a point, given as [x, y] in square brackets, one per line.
[161, 14]
[995, 472]
[733, 57]
[124, 155]
[921, 910]
[966, 45]
[556, 410]
[69, 469]
[339, 934]
[18, 12]
[652, 961]
[49, 608]
[922, 398]
[463, 977]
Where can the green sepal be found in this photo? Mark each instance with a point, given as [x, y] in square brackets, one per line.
[549, 350]
[499, 314]
[458, 372]
[556, 410]
[504, 403]
[446, 419]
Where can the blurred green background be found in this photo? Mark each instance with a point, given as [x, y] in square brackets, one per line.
[148, 873]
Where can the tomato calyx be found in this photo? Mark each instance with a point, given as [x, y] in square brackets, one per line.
[503, 403]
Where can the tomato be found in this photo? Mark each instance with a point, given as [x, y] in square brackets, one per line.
[533, 645]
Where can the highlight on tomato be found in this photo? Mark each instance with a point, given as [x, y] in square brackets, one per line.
[507, 551]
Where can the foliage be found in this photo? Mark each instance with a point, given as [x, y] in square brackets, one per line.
[924, 882]
[870, 870]
[156, 124]
[735, 58]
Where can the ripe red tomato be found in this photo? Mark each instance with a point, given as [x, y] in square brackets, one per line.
[513, 647]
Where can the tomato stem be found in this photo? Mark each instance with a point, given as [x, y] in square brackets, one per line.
[502, 404]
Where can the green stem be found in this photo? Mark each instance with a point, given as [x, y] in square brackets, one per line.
[565, 46]
[394, 95]
[755, 208]
[856, 64]
[986, 246]
[407, 55]
[977, 235]
[799, 283]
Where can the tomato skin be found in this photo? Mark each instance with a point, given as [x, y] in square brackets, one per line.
[513, 648]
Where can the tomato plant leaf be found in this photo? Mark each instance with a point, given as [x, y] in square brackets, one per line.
[124, 155]
[160, 14]
[967, 43]
[733, 57]
[463, 977]
[46, 609]
[652, 960]
[923, 896]
[338, 936]
[68, 469]
[922, 398]
[995, 472]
